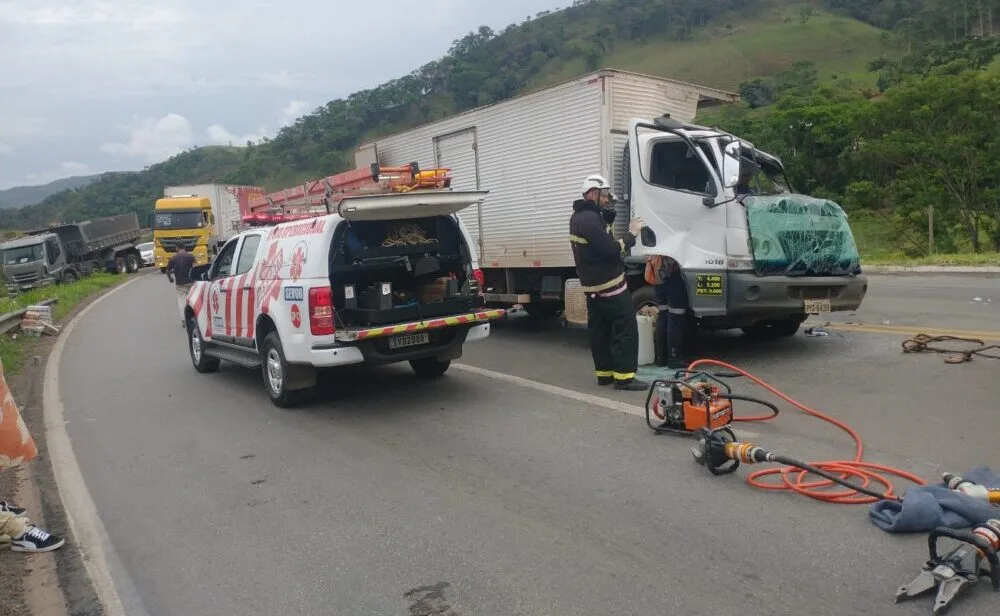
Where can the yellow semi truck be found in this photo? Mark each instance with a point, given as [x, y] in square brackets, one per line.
[183, 221]
[199, 217]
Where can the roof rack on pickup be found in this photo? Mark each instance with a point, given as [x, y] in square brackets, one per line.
[322, 196]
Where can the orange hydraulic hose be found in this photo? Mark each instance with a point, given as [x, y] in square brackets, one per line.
[794, 478]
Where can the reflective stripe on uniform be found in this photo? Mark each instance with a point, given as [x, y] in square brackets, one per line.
[604, 286]
[624, 376]
[576, 239]
[603, 373]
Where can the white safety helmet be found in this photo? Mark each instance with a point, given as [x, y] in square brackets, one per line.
[598, 181]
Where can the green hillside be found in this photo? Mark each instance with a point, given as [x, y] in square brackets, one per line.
[740, 45]
[821, 64]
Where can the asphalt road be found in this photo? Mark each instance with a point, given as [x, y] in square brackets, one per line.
[960, 302]
[389, 496]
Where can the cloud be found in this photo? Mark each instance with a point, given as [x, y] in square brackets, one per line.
[218, 135]
[64, 170]
[154, 140]
[5, 149]
[190, 72]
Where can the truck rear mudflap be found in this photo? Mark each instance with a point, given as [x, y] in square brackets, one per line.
[441, 337]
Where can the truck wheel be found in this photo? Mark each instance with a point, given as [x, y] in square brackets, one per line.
[132, 263]
[274, 369]
[196, 346]
[120, 266]
[69, 277]
[427, 368]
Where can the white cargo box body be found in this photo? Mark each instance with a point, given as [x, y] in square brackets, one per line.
[532, 153]
[225, 205]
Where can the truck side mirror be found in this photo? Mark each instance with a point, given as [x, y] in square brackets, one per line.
[731, 164]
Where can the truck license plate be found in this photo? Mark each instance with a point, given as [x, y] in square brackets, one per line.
[408, 340]
[816, 306]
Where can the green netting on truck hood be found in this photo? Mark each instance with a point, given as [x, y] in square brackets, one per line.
[796, 235]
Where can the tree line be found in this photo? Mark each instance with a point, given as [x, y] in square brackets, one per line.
[851, 144]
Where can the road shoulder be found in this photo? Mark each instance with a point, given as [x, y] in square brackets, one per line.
[42, 584]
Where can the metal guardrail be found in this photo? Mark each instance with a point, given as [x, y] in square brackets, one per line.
[11, 320]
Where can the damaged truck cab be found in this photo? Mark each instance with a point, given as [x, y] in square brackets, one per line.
[754, 255]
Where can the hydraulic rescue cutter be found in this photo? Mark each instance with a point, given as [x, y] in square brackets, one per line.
[975, 557]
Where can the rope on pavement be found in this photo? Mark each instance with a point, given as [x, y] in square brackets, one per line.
[921, 343]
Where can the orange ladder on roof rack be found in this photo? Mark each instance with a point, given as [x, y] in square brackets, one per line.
[322, 196]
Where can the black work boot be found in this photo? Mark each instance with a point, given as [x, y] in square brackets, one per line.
[631, 385]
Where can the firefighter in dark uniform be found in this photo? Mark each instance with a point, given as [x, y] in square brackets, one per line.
[614, 333]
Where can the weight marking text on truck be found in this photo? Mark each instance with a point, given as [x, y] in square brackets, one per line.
[368, 266]
[532, 150]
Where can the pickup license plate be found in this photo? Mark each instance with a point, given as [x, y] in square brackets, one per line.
[408, 340]
[817, 306]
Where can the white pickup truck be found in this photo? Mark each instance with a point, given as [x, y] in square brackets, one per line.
[385, 279]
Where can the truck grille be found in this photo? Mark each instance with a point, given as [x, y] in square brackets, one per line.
[171, 244]
[27, 278]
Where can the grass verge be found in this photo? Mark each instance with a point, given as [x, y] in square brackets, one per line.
[67, 297]
[966, 260]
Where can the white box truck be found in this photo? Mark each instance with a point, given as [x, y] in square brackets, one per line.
[533, 151]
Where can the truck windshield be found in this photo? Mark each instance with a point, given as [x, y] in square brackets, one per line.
[22, 254]
[763, 177]
[179, 220]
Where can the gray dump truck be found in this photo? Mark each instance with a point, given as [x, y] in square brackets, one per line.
[64, 253]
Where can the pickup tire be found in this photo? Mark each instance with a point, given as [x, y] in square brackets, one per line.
[196, 347]
[275, 372]
[427, 368]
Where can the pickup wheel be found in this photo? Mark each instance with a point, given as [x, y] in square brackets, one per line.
[428, 368]
[196, 346]
[274, 369]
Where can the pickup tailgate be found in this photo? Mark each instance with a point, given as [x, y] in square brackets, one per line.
[409, 205]
[360, 334]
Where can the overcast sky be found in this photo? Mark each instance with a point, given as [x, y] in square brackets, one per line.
[102, 85]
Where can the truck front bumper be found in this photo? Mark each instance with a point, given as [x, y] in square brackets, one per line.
[738, 299]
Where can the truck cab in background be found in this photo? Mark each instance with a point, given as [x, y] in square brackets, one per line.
[67, 252]
[183, 221]
[754, 254]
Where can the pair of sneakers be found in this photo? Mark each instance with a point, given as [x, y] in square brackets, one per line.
[33, 539]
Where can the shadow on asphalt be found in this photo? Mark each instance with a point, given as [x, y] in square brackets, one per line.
[731, 346]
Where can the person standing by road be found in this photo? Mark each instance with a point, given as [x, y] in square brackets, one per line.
[614, 333]
[179, 272]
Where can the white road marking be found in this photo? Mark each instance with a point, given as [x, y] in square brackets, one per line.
[598, 401]
[99, 556]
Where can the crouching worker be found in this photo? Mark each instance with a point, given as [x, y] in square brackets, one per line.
[614, 333]
[667, 280]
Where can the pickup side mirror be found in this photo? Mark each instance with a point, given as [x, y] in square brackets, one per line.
[200, 272]
[731, 164]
